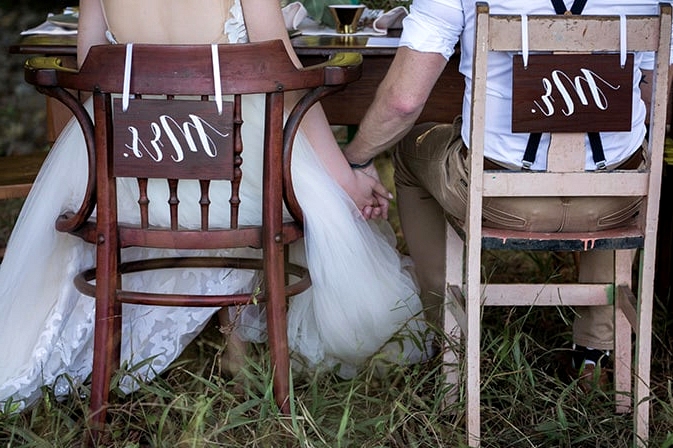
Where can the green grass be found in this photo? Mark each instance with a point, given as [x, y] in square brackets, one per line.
[527, 400]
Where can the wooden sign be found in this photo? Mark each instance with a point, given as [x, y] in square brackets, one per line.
[179, 139]
[572, 93]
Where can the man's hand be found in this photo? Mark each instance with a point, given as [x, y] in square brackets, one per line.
[369, 194]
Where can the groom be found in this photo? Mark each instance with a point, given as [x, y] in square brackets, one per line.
[430, 160]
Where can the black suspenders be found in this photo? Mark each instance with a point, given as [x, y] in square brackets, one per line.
[576, 8]
[594, 137]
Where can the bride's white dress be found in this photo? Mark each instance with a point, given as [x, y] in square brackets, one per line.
[362, 293]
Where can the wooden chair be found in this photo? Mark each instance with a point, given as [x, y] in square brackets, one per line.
[172, 72]
[565, 176]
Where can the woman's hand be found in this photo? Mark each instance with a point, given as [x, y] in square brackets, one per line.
[369, 194]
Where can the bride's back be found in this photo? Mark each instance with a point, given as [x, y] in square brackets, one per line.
[167, 21]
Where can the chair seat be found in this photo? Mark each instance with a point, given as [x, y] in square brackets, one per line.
[613, 239]
[627, 237]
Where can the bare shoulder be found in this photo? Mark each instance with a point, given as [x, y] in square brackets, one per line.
[167, 21]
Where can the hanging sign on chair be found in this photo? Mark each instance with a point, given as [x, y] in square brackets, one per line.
[173, 139]
[572, 93]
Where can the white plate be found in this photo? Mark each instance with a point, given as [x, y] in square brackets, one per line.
[68, 21]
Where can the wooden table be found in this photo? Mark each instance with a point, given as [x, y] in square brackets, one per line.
[344, 108]
[42, 44]
[348, 106]
[58, 115]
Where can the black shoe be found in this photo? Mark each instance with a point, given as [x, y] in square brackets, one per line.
[597, 357]
[592, 375]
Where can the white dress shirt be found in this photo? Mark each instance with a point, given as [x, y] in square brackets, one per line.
[436, 26]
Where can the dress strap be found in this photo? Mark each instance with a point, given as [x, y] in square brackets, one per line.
[108, 33]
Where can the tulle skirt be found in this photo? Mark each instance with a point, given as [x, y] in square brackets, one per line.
[362, 292]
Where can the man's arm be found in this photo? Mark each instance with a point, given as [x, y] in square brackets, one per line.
[398, 102]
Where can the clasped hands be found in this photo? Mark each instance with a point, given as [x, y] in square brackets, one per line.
[369, 194]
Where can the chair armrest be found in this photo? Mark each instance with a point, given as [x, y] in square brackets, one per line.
[43, 70]
[339, 71]
[51, 75]
[340, 68]
[343, 68]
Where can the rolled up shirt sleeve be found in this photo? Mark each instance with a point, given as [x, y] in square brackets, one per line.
[433, 26]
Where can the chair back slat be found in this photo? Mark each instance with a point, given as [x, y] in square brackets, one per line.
[173, 202]
[204, 202]
[582, 33]
[566, 152]
[143, 202]
[191, 70]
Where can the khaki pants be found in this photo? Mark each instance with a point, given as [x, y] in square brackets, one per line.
[431, 180]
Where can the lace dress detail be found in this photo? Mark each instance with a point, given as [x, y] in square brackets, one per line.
[234, 27]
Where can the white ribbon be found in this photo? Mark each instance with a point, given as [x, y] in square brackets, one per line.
[126, 93]
[524, 39]
[622, 40]
[216, 77]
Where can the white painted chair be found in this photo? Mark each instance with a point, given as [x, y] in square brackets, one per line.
[565, 176]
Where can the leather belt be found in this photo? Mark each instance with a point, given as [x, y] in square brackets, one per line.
[632, 163]
[488, 163]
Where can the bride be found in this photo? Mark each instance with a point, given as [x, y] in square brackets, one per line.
[362, 294]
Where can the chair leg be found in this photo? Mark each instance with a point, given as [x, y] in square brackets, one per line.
[643, 347]
[623, 331]
[452, 324]
[642, 384]
[276, 310]
[473, 344]
[622, 362]
[472, 375]
[451, 358]
[278, 343]
[106, 353]
[467, 316]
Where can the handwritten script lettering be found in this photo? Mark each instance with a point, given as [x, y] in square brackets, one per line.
[572, 93]
[560, 80]
[169, 124]
[173, 139]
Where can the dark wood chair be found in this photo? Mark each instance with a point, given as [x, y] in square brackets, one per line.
[172, 72]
